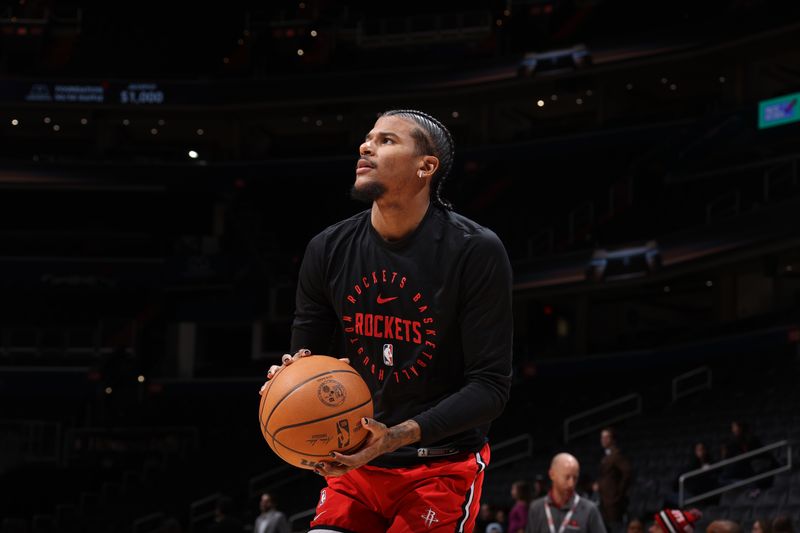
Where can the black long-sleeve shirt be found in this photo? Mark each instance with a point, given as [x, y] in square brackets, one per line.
[426, 321]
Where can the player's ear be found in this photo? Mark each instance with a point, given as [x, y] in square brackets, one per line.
[428, 166]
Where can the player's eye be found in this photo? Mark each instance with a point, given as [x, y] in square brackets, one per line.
[387, 140]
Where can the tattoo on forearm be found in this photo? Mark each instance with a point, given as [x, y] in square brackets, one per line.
[404, 433]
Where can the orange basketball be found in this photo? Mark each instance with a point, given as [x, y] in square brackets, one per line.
[313, 407]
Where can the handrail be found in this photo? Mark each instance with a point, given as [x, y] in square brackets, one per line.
[528, 451]
[637, 410]
[301, 514]
[153, 519]
[271, 479]
[196, 516]
[725, 462]
[683, 377]
[40, 439]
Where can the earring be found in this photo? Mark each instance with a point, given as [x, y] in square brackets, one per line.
[419, 173]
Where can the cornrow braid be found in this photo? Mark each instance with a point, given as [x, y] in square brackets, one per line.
[435, 139]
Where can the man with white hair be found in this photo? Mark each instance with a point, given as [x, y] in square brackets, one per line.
[562, 509]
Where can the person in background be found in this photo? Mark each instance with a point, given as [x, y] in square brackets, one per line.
[485, 517]
[518, 517]
[702, 483]
[563, 509]
[271, 520]
[613, 481]
[635, 525]
[761, 525]
[224, 522]
[723, 526]
[539, 487]
[782, 524]
[501, 517]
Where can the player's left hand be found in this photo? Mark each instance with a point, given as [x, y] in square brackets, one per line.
[381, 439]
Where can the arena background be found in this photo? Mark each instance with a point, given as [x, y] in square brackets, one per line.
[162, 168]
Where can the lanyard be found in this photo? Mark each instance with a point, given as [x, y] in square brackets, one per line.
[550, 523]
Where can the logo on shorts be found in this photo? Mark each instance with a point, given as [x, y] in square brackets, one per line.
[322, 497]
[343, 432]
[331, 393]
[388, 355]
[429, 517]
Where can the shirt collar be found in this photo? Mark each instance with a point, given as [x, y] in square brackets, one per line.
[560, 505]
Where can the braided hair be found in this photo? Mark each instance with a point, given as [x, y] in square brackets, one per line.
[432, 137]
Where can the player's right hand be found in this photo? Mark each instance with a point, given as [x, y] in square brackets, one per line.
[286, 361]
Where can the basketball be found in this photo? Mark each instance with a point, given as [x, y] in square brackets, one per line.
[314, 407]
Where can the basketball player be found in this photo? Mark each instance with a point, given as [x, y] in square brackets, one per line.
[419, 299]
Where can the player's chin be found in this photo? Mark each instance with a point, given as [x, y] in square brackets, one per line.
[367, 189]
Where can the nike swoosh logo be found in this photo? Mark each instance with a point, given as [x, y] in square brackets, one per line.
[384, 300]
[320, 514]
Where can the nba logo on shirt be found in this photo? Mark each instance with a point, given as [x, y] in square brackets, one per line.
[388, 355]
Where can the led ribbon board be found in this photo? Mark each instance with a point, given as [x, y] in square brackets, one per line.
[779, 111]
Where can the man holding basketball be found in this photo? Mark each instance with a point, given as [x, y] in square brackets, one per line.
[419, 299]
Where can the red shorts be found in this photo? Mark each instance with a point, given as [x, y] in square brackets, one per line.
[435, 497]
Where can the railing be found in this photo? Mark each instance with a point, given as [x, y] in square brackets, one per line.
[704, 384]
[148, 524]
[272, 479]
[683, 501]
[202, 510]
[164, 441]
[725, 205]
[302, 516]
[603, 419]
[500, 458]
[36, 440]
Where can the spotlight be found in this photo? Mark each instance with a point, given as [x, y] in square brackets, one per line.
[300, 52]
[193, 154]
[14, 122]
[540, 103]
[200, 131]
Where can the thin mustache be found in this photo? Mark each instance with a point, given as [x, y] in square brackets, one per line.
[368, 160]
